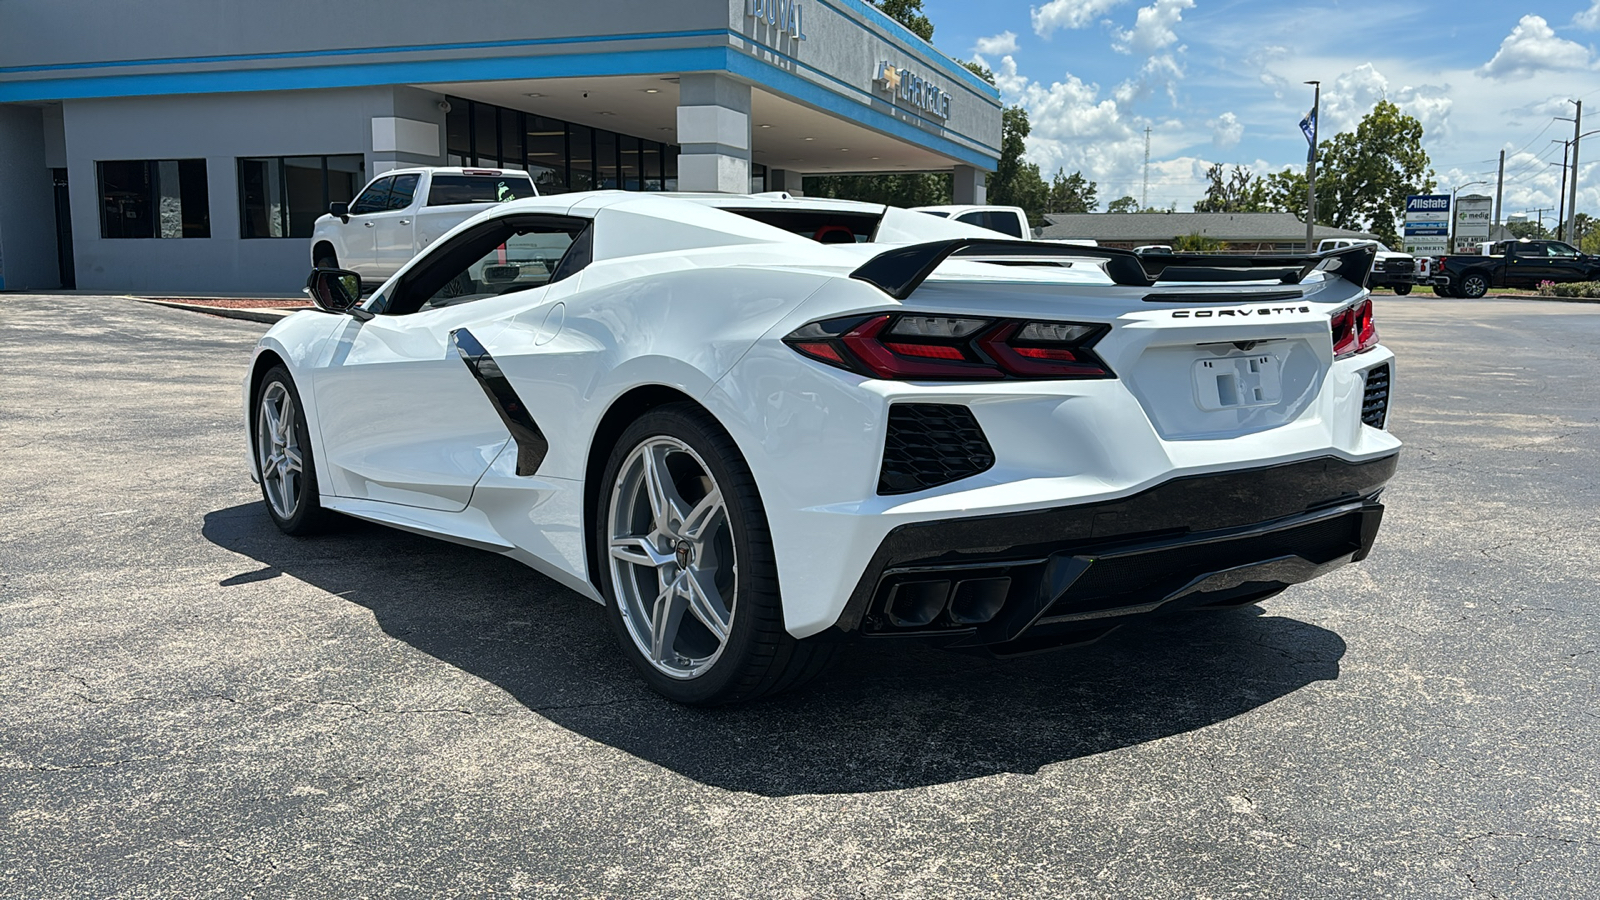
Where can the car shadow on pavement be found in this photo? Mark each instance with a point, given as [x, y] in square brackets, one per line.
[889, 715]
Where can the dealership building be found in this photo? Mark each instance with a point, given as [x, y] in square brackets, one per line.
[183, 146]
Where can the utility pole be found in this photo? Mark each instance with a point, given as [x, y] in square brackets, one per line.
[1499, 189]
[1311, 169]
[1572, 201]
[1561, 195]
[1144, 198]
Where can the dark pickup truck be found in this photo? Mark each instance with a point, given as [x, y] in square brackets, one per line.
[1520, 264]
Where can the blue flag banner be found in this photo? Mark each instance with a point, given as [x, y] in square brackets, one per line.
[1308, 126]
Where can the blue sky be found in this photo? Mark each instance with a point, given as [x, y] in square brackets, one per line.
[1221, 81]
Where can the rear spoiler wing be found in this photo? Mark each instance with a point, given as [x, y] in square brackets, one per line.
[901, 271]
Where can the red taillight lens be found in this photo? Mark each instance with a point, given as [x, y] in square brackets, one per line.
[1354, 330]
[903, 346]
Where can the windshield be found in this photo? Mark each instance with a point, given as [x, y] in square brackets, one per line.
[449, 190]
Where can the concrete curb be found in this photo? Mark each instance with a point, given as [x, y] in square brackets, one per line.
[266, 315]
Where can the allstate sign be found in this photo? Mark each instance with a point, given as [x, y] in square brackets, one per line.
[1428, 203]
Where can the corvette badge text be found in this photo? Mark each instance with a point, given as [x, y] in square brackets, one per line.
[1258, 312]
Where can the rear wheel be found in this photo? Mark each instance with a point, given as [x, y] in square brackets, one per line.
[283, 456]
[1474, 285]
[1402, 289]
[1442, 290]
[688, 569]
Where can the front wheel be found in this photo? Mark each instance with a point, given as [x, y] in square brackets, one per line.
[283, 456]
[1474, 285]
[1402, 289]
[687, 565]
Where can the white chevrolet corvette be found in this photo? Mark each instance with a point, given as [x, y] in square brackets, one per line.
[753, 427]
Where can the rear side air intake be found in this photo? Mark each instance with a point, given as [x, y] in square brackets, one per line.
[1375, 399]
[930, 444]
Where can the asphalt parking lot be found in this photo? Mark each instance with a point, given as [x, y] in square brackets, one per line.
[195, 705]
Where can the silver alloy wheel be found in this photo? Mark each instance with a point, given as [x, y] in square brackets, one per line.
[672, 558]
[278, 455]
[1474, 286]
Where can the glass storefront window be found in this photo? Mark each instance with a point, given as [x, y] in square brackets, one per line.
[560, 156]
[628, 163]
[547, 153]
[510, 139]
[282, 196]
[605, 159]
[485, 135]
[163, 198]
[650, 165]
[580, 150]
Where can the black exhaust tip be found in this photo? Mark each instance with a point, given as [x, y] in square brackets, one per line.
[977, 600]
[914, 604]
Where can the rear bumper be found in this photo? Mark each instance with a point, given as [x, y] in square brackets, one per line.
[1025, 581]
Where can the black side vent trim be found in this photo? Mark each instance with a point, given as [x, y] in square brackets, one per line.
[930, 444]
[531, 443]
[1375, 399]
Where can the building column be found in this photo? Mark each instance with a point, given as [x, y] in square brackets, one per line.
[969, 189]
[786, 180]
[713, 134]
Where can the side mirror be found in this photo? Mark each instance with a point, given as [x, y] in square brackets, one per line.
[336, 291]
[342, 210]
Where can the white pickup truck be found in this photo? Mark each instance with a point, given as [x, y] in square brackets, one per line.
[1004, 219]
[402, 211]
[1396, 271]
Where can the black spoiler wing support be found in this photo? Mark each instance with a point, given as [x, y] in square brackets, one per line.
[901, 271]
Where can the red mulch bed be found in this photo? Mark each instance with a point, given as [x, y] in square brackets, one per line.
[228, 303]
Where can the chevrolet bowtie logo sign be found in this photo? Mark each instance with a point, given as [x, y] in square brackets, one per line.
[910, 89]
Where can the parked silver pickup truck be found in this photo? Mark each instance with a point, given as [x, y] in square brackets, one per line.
[402, 211]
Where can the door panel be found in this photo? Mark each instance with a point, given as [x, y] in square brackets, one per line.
[359, 235]
[403, 419]
[396, 227]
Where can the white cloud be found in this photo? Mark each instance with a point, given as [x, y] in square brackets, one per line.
[1588, 19]
[1354, 93]
[1068, 14]
[1226, 131]
[1152, 29]
[997, 44]
[1159, 73]
[1532, 48]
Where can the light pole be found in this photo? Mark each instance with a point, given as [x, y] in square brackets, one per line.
[1311, 168]
[1453, 215]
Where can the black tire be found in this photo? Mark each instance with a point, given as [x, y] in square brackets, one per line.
[1442, 290]
[307, 515]
[1474, 285]
[325, 258]
[1402, 289]
[758, 657]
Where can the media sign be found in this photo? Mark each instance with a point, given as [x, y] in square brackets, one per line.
[1473, 217]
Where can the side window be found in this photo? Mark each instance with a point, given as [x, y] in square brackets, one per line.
[495, 258]
[405, 187]
[1561, 250]
[374, 199]
[1005, 223]
[972, 218]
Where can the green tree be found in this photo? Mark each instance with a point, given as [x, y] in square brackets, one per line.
[1240, 191]
[909, 14]
[1527, 229]
[1195, 242]
[1124, 204]
[1363, 177]
[903, 189]
[1071, 193]
[1015, 182]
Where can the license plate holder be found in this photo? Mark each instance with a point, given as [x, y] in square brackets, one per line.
[1238, 382]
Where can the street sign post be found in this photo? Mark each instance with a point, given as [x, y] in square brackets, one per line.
[1427, 224]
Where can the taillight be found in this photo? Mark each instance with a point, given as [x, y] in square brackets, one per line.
[915, 347]
[1354, 330]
